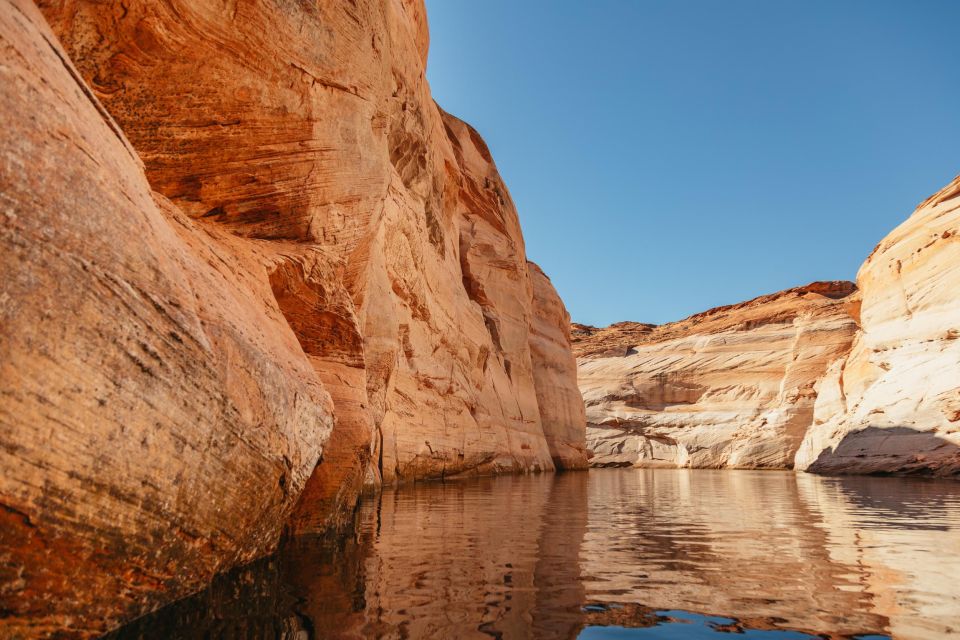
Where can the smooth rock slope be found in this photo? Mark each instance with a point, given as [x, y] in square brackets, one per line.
[250, 266]
[893, 404]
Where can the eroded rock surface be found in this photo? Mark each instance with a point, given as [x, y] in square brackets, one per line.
[250, 266]
[731, 387]
[561, 406]
[819, 378]
[893, 404]
[159, 418]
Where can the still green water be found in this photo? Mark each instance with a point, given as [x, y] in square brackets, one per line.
[609, 553]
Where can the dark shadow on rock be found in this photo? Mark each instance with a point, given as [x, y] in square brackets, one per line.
[248, 602]
[890, 451]
[312, 588]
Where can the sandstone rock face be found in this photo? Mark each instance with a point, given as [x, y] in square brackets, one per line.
[314, 280]
[561, 406]
[731, 387]
[893, 404]
[159, 418]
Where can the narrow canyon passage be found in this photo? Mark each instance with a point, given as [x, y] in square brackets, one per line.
[275, 361]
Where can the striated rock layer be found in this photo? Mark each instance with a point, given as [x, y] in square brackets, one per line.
[819, 378]
[250, 266]
[730, 387]
[893, 404]
[561, 406]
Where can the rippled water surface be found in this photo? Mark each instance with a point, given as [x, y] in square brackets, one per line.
[609, 554]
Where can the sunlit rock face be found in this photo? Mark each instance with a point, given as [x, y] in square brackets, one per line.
[731, 387]
[561, 406]
[893, 404]
[158, 417]
[250, 266]
[820, 378]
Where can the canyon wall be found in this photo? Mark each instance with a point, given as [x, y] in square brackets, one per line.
[250, 267]
[730, 387]
[893, 404]
[820, 378]
[561, 406]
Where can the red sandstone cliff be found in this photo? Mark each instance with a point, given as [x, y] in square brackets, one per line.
[249, 266]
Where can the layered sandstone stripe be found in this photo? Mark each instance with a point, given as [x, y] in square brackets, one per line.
[731, 387]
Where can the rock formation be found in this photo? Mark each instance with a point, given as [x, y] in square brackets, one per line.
[249, 267]
[893, 404]
[818, 378]
[730, 387]
[561, 406]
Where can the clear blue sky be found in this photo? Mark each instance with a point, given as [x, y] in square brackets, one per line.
[669, 156]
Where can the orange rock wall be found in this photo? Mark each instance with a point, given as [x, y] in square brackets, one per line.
[158, 417]
[250, 267]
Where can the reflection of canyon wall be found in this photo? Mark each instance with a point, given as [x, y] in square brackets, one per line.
[893, 404]
[247, 602]
[481, 559]
[520, 557]
[741, 544]
[808, 378]
[473, 559]
[240, 240]
[872, 523]
[557, 611]
[731, 387]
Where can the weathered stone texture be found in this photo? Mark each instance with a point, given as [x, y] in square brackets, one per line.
[893, 404]
[159, 418]
[730, 387]
[249, 267]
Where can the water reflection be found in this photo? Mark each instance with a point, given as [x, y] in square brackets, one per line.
[608, 553]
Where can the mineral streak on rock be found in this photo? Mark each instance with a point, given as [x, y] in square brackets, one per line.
[731, 387]
[250, 267]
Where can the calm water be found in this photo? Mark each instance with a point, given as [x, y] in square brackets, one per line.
[609, 554]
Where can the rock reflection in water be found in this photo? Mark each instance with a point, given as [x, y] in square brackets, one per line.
[556, 556]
